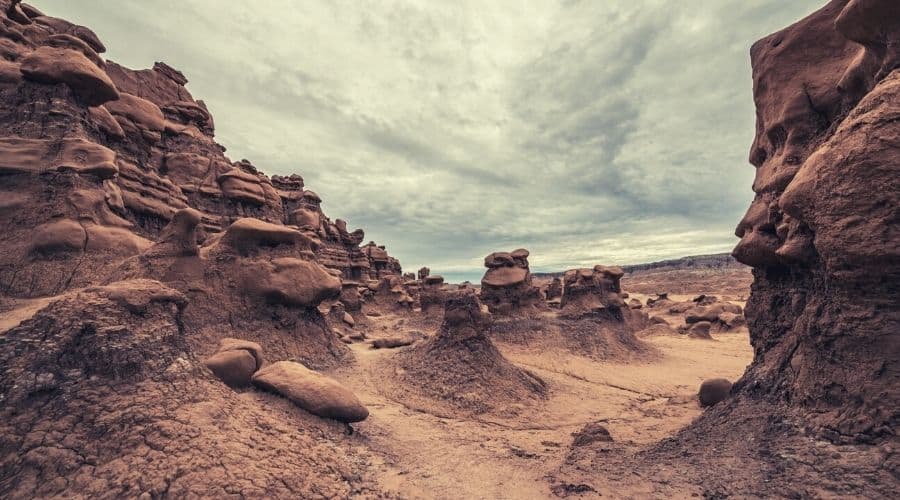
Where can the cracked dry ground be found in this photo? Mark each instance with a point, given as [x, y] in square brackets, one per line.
[427, 452]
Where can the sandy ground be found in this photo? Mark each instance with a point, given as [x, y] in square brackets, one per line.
[423, 454]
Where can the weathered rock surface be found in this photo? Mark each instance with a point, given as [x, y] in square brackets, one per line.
[714, 391]
[823, 232]
[506, 287]
[593, 291]
[134, 148]
[312, 391]
[820, 399]
[236, 361]
[152, 248]
[461, 368]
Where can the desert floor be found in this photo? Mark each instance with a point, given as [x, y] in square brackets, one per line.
[421, 452]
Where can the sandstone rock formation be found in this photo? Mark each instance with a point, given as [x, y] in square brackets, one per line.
[150, 248]
[103, 398]
[820, 400]
[432, 294]
[554, 289]
[312, 391]
[506, 287]
[461, 368]
[823, 232]
[129, 150]
[593, 291]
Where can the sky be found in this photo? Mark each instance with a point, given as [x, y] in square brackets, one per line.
[589, 132]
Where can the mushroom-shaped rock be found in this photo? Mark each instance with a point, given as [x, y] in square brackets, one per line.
[713, 391]
[507, 287]
[52, 65]
[312, 391]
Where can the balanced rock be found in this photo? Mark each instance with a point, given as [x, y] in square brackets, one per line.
[312, 391]
[506, 287]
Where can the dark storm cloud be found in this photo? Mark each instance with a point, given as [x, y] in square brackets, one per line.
[586, 131]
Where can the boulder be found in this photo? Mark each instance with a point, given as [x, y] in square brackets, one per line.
[312, 391]
[591, 433]
[713, 391]
[700, 330]
[393, 342]
[235, 368]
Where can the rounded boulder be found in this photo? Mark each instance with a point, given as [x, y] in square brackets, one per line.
[713, 391]
[312, 391]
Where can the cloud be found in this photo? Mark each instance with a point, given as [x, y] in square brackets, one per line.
[588, 132]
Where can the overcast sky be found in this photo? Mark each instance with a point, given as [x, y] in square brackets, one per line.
[611, 131]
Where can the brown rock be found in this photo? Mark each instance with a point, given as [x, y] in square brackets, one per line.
[52, 65]
[593, 291]
[591, 433]
[312, 391]
[506, 287]
[235, 368]
[713, 391]
[700, 330]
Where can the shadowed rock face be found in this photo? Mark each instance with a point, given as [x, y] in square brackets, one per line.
[822, 231]
[506, 287]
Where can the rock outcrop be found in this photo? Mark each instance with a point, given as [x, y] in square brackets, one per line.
[593, 291]
[506, 287]
[128, 149]
[432, 294]
[152, 251]
[816, 413]
[823, 232]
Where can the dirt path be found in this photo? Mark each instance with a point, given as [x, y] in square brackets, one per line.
[424, 455]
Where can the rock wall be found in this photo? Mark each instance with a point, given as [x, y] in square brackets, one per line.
[96, 158]
[823, 231]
